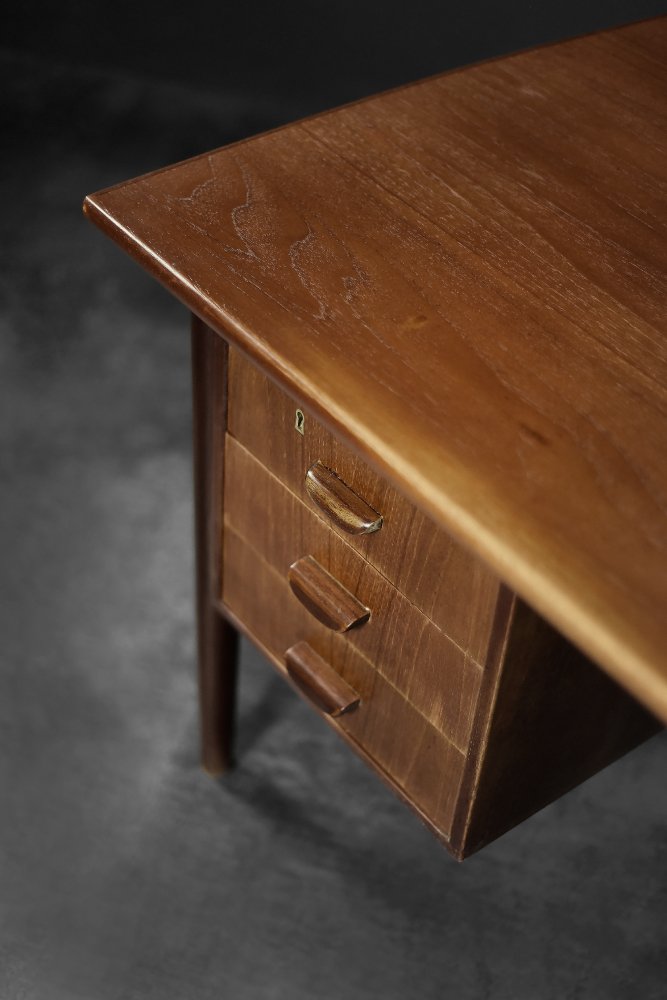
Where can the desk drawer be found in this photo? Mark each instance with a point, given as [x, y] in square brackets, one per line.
[442, 579]
[436, 676]
[412, 753]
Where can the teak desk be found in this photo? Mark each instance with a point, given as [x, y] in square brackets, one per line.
[430, 403]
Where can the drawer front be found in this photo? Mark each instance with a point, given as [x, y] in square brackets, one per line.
[411, 752]
[442, 579]
[405, 647]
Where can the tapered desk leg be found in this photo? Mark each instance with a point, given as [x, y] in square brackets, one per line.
[217, 640]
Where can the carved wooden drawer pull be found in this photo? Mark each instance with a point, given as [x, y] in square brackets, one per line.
[325, 598]
[347, 510]
[317, 679]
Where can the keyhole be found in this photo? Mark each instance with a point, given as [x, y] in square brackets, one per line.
[300, 421]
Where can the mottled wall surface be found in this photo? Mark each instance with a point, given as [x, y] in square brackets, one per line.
[124, 872]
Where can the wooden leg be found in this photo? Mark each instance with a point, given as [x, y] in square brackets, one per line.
[217, 640]
[218, 643]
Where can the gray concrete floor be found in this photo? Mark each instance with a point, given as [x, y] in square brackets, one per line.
[124, 872]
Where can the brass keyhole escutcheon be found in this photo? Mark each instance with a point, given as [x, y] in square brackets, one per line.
[300, 421]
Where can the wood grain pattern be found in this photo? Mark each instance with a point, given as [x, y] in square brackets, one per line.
[551, 720]
[448, 584]
[319, 681]
[434, 674]
[495, 238]
[217, 644]
[324, 596]
[415, 755]
[341, 504]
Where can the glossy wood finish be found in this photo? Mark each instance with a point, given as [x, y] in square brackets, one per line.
[421, 661]
[447, 584]
[319, 681]
[341, 504]
[412, 755]
[325, 597]
[216, 638]
[494, 239]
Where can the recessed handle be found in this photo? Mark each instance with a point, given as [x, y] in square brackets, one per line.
[326, 599]
[319, 681]
[347, 510]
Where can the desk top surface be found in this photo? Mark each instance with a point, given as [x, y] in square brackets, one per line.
[465, 278]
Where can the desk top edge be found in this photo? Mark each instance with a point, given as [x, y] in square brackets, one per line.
[581, 597]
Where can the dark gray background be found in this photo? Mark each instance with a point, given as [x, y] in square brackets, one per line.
[312, 52]
[124, 872]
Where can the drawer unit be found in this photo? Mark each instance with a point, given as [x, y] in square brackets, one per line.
[446, 583]
[485, 708]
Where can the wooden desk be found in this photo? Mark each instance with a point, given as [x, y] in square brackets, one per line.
[452, 296]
